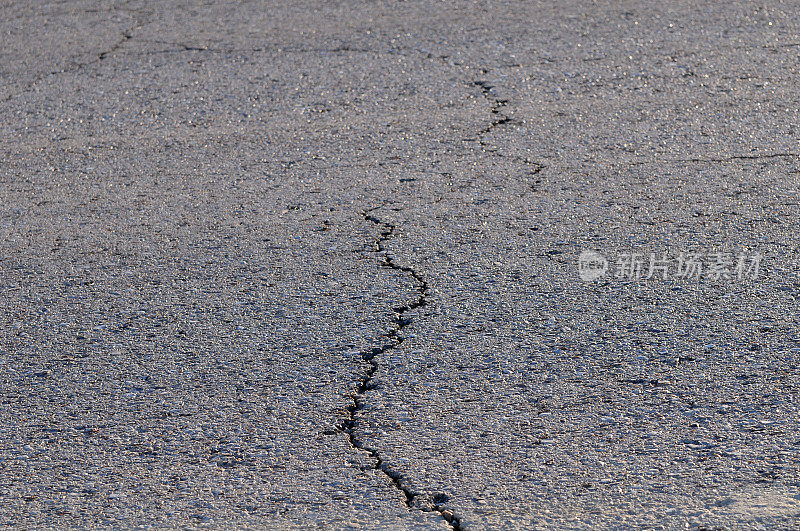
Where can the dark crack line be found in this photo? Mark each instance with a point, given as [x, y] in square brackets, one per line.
[126, 36]
[497, 104]
[501, 119]
[365, 383]
[734, 158]
[181, 48]
[78, 66]
[725, 160]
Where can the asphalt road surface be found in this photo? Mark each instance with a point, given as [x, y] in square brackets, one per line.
[301, 265]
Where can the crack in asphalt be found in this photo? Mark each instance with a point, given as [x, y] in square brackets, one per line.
[78, 66]
[126, 36]
[724, 160]
[497, 104]
[365, 383]
[742, 157]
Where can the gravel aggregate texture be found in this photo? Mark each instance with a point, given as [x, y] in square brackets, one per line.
[316, 265]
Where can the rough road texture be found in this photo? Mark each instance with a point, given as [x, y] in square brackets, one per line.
[270, 265]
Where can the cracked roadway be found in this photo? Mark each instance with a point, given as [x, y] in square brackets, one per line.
[269, 265]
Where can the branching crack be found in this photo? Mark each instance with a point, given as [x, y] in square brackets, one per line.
[365, 383]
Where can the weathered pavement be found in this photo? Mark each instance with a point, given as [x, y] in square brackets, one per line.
[266, 265]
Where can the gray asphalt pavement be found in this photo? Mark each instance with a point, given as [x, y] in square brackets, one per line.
[316, 265]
